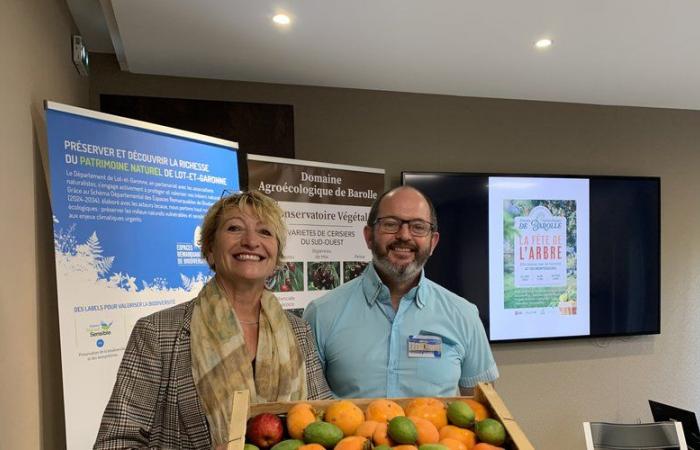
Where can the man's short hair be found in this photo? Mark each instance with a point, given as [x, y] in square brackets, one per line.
[374, 210]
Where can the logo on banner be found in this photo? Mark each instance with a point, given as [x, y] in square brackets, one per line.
[188, 253]
[100, 329]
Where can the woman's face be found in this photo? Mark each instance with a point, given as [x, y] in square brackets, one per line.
[245, 248]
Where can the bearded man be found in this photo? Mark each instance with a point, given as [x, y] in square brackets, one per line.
[391, 332]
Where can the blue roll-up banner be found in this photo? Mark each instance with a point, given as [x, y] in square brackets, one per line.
[128, 198]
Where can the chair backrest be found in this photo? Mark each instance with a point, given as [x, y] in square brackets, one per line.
[655, 435]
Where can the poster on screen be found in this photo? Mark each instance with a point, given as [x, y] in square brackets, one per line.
[538, 257]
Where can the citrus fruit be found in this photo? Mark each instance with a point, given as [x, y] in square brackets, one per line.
[453, 444]
[433, 447]
[485, 446]
[289, 444]
[465, 436]
[353, 443]
[366, 428]
[345, 415]
[383, 410]
[402, 430]
[460, 414]
[298, 417]
[312, 447]
[428, 408]
[490, 431]
[380, 436]
[427, 433]
[404, 447]
[479, 409]
[323, 433]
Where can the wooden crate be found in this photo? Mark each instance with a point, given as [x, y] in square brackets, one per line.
[484, 393]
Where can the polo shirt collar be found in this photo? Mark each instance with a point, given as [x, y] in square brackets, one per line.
[375, 290]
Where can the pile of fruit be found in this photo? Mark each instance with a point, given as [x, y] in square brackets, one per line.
[424, 424]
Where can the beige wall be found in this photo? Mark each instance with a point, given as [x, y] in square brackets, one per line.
[35, 48]
[550, 387]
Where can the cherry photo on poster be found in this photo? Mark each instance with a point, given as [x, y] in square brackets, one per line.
[287, 278]
[324, 276]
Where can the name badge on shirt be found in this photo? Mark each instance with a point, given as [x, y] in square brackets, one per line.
[420, 346]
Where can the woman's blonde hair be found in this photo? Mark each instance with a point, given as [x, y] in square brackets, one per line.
[265, 208]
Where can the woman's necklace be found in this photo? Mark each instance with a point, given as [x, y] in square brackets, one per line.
[243, 322]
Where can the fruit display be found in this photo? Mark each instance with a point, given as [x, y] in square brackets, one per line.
[457, 423]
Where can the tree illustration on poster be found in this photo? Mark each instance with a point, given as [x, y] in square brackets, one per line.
[535, 245]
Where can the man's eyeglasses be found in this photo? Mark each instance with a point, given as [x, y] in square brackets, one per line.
[392, 225]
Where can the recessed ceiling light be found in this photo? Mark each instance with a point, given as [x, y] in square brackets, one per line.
[281, 19]
[543, 43]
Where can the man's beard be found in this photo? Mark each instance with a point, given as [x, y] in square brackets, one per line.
[399, 273]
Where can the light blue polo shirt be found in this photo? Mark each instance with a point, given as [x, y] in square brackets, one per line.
[363, 343]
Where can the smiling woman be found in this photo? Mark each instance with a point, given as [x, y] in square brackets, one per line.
[242, 241]
[183, 364]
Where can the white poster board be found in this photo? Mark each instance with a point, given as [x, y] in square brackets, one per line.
[326, 208]
[128, 198]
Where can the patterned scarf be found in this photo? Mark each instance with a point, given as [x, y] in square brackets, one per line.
[221, 363]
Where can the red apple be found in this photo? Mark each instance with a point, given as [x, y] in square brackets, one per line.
[264, 430]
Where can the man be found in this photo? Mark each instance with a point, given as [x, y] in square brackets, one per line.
[391, 332]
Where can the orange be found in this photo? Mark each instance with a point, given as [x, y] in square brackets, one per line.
[404, 447]
[479, 409]
[383, 410]
[430, 409]
[452, 444]
[345, 415]
[485, 446]
[353, 443]
[467, 437]
[366, 428]
[427, 433]
[380, 435]
[298, 417]
[312, 447]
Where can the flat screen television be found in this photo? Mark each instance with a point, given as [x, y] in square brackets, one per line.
[548, 256]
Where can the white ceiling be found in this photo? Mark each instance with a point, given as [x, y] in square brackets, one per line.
[611, 52]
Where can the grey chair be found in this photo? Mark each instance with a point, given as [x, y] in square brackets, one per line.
[615, 436]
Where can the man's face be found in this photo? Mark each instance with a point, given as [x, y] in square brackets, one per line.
[401, 256]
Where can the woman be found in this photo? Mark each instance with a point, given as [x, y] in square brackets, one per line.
[181, 366]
